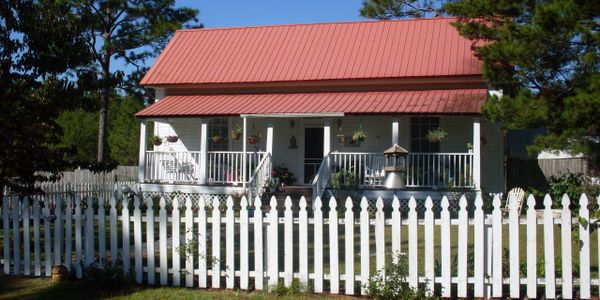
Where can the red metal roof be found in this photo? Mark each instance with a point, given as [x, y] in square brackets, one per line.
[352, 50]
[465, 101]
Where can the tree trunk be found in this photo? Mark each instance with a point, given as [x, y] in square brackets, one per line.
[103, 118]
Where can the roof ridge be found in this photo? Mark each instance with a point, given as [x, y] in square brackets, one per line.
[317, 23]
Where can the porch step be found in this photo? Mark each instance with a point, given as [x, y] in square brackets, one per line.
[295, 192]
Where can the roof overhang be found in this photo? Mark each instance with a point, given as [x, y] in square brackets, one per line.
[295, 115]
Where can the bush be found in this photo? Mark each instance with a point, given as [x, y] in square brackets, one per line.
[392, 284]
[101, 274]
[295, 288]
[344, 179]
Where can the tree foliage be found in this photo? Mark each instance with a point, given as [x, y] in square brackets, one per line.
[545, 57]
[40, 44]
[398, 9]
[128, 30]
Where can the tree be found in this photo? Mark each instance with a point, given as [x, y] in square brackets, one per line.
[130, 30]
[124, 136]
[545, 57]
[398, 9]
[40, 44]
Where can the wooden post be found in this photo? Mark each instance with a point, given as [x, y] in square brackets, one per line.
[142, 157]
[203, 151]
[395, 131]
[244, 155]
[270, 138]
[477, 155]
[326, 137]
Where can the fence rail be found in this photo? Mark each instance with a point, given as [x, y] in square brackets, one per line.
[423, 169]
[149, 234]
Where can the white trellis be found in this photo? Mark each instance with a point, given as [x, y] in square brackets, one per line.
[240, 240]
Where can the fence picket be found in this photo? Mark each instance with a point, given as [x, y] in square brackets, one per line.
[37, 267]
[445, 249]
[175, 240]
[364, 244]
[463, 234]
[137, 239]
[150, 253]
[497, 248]
[413, 276]
[349, 247]
[549, 248]
[303, 242]
[89, 232]
[26, 234]
[162, 237]
[478, 252]
[273, 244]
[216, 244]
[125, 232]
[114, 245]
[318, 245]
[259, 273]
[380, 236]
[513, 241]
[6, 234]
[101, 229]
[565, 251]
[584, 249]
[334, 271]
[531, 248]
[229, 244]
[244, 247]
[396, 229]
[288, 244]
[429, 258]
[189, 239]
[58, 227]
[16, 235]
[48, 241]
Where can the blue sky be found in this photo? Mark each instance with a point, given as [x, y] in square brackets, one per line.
[227, 13]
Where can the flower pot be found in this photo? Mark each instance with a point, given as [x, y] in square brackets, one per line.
[252, 140]
[172, 139]
[157, 143]
[236, 135]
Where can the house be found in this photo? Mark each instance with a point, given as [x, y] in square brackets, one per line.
[237, 102]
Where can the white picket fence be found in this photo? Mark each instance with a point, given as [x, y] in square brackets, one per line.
[316, 245]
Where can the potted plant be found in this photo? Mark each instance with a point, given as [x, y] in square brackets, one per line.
[236, 133]
[359, 135]
[217, 139]
[253, 139]
[436, 135]
[156, 140]
[172, 139]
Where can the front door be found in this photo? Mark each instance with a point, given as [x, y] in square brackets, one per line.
[313, 152]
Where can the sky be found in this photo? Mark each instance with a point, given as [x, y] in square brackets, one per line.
[229, 13]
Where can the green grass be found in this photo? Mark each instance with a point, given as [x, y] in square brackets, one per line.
[41, 288]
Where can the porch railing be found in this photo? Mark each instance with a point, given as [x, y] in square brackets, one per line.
[261, 177]
[319, 183]
[223, 167]
[442, 170]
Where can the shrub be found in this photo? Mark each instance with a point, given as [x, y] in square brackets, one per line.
[295, 288]
[101, 274]
[283, 174]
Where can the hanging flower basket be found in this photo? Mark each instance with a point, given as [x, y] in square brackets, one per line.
[436, 135]
[156, 140]
[172, 139]
[217, 139]
[253, 139]
[236, 133]
[359, 136]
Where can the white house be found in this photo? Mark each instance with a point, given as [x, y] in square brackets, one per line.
[294, 95]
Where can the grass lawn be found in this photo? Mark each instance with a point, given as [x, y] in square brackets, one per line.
[41, 288]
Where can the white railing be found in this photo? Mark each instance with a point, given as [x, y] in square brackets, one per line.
[172, 167]
[223, 167]
[261, 178]
[38, 235]
[442, 170]
[227, 166]
[321, 180]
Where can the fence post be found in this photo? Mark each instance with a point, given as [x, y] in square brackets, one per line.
[175, 228]
[413, 276]
[531, 248]
[229, 244]
[114, 245]
[288, 242]
[244, 253]
[78, 245]
[6, 234]
[584, 250]
[189, 237]
[445, 249]
[463, 233]
[380, 236]
[162, 236]
[429, 259]
[513, 227]
[549, 248]
[364, 244]
[273, 244]
[216, 244]
[26, 234]
[150, 253]
[565, 252]
[496, 248]
[334, 271]
[101, 230]
[259, 273]
[137, 239]
[318, 240]
[479, 252]
[36, 237]
[303, 242]
[349, 245]
[17, 236]
[58, 227]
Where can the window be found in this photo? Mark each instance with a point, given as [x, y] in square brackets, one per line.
[217, 127]
[419, 127]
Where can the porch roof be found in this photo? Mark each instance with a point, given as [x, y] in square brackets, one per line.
[459, 102]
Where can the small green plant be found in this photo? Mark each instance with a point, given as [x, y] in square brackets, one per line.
[236, 132]
[392, 284]
[344, 179]
[295, 289]
[359, 135]
[217, 139]
[156, 140]
[101, 274]
[436, 135]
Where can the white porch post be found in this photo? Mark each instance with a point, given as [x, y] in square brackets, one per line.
[477, 154]
[395, 131]
[142, 157]
[326, 137]
[244, 156]
[270, 137]
[203, 151]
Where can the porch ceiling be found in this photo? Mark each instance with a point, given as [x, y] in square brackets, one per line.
[459, 101]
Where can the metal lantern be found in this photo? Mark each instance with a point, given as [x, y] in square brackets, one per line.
[395, 167]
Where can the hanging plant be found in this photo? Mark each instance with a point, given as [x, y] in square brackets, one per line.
[436, 135]
[172, 139]
[359, 135]
[217, 139]
[156, 140]
[236, 133]
[293, 143]
[253, 139]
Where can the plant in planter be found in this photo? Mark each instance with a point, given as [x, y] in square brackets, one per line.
[236, 133]
[172, 138]
[217, 139]
[359, 135]
[156, 140]
[436, 135]
[254, 139]
[283, 175]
